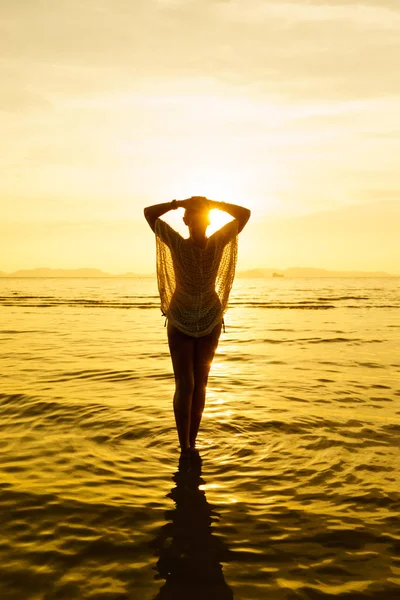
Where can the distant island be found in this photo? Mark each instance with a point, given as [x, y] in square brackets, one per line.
[308, 272]
[251, 274]
[46, 272]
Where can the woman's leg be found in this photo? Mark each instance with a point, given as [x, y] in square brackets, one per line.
[204, 352]
[182, 354]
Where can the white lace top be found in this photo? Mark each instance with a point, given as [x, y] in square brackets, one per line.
[194, 283]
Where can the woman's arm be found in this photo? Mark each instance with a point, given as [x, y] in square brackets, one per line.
[152, 213]
[240, 213]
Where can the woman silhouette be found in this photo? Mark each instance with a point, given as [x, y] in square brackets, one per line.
[194, 276]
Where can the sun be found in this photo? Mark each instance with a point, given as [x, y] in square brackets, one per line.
[218, 219]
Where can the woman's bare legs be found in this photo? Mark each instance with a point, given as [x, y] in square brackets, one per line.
[182, 354]
[204, 351]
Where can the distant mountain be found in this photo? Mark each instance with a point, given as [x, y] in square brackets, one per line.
[45, 272]
[309, 272]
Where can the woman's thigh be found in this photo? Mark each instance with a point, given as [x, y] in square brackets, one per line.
[181, 347]
[205, 348]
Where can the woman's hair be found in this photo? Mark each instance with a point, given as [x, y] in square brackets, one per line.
[202, 213]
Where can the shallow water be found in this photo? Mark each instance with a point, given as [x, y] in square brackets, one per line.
[297, 493]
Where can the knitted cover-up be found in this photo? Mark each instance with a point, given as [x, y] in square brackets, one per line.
[194, 283]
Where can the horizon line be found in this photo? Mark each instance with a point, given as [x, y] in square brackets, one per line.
[259, 272]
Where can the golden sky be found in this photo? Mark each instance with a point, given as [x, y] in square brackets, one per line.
[290, 108]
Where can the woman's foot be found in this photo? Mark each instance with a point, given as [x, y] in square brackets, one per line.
[190, 452]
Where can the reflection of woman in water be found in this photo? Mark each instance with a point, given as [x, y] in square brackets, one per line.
[195, 276]
[189, 554]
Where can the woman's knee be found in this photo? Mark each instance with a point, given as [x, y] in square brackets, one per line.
[185, 385]
[200, 380]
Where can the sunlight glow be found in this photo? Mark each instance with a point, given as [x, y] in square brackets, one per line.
[220, 181]
[218, 219]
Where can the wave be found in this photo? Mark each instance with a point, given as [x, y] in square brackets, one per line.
[302, 305]
[49, 301]
[318, 340]
[339, 298]
[152, 301]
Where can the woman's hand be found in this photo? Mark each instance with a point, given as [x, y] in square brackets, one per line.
[195, 203]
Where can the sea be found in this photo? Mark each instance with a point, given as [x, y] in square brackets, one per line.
[296, 490]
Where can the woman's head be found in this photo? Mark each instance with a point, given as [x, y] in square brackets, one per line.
[197, 218]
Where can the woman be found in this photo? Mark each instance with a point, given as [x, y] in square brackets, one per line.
[195, 276]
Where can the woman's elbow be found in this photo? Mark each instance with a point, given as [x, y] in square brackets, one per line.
[147, 214]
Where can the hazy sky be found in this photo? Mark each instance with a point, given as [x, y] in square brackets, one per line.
[291, 108]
